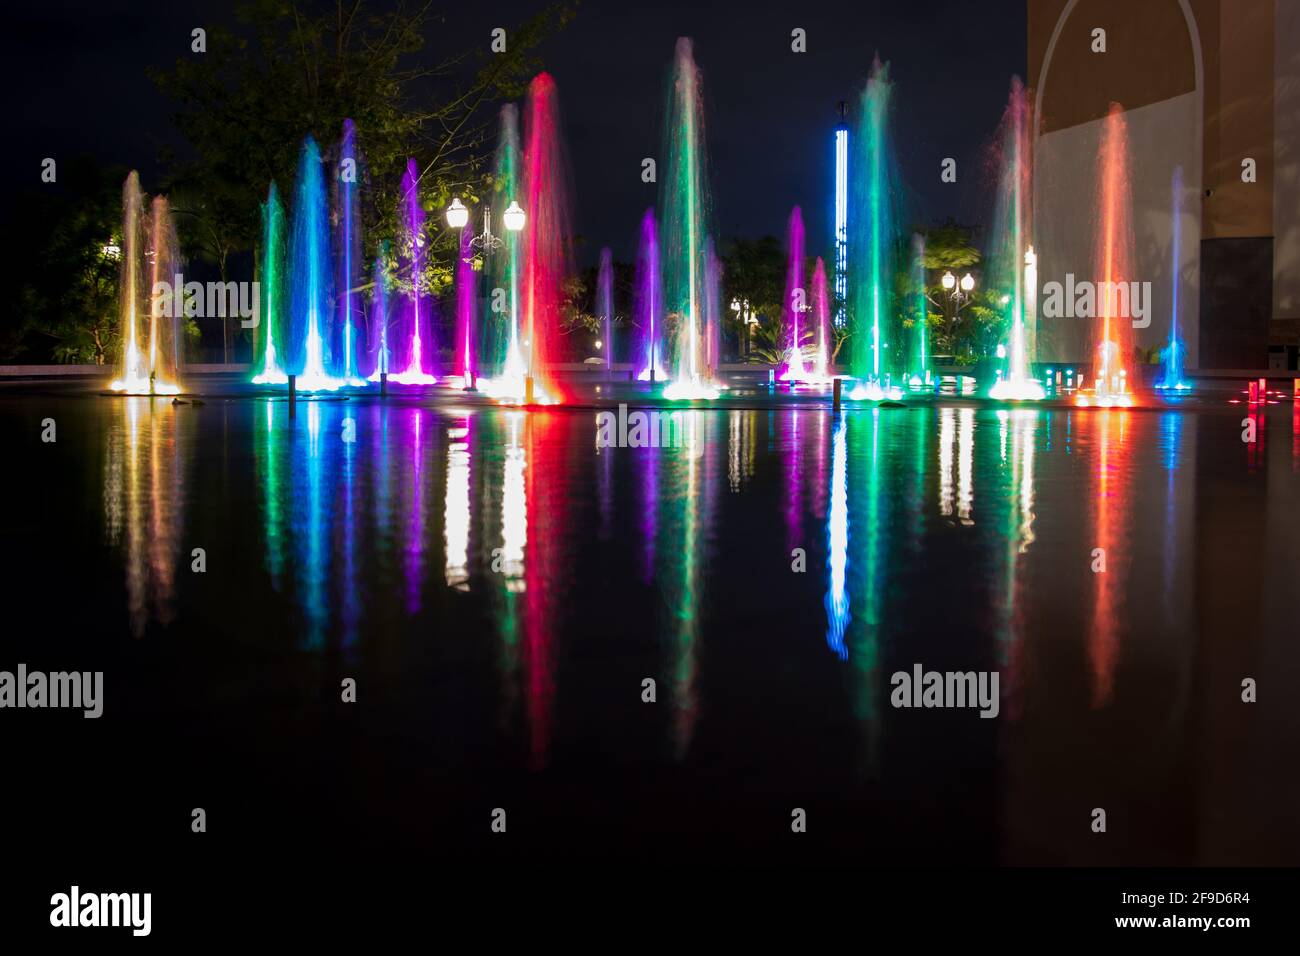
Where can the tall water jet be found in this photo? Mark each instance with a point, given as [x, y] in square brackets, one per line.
[269, 333]
[821, 314]
[379, 321]
[1012, 254]
[131, 375]
[546, 236]
[466, 309]
[795, 305]
[712, 307]
[502, 349]
[872, 244]
[1173, 353]
[919, 341]
[685, 217]
[306, 341]
[647, 306]
[163, 259]
[605, 303]
[413, 344]
[347, 346]
[1113, 268]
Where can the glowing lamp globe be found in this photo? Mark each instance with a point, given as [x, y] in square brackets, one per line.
[457, 214]
[967, 282]
[514, 217]
[949, 280]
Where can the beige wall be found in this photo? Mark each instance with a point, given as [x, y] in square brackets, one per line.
[1237, 44]
[1286, 171]
[1149, 67]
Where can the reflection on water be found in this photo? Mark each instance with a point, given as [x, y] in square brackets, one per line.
[837, 543]
[501, 587]
[740, 448]
[456, 516]
[957, 436]
[688, 498]
[1110, 557]
[411, 526]
[144, 498]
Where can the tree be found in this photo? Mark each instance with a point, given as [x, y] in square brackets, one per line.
[961, 328]
[67, 269]
[297, 69]
[753, 271]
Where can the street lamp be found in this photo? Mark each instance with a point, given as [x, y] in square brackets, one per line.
[458, 218]
[747, 319]
[959, 293]
[457, 214]
[514, 217]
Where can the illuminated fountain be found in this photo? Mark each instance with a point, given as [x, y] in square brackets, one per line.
[872, 246]
[268, 334]
[412, 343]
[306, 353]
[378, 322]
[822, 319]
[347, 346]
[685, 218]
[502, 349]
[919, 355]
[1011, 229]
[647, 305]
[1113, 268]
[1174, 352]
[605, 303]
[151, 344]
[536, 272]
[466, 309]
[795, 305]
[546, 236]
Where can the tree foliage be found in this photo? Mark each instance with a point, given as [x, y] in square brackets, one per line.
[291, 69]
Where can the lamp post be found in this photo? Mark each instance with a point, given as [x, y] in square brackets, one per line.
[958, 294]
[747, 319]
[486, 241]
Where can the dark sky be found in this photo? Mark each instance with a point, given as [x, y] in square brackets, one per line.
[79, 71]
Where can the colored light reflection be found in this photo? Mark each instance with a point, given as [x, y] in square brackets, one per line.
[957, 434]
[1109, 514]
[144, 495]
[837, 544]
[1017, 432]
[456, 510]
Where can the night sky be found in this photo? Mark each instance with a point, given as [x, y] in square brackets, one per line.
[78, 70]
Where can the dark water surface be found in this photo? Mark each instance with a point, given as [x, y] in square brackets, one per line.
[499, 588]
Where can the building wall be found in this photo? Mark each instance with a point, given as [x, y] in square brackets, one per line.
[1150, 67]
[1286, 174]
[1238, 282]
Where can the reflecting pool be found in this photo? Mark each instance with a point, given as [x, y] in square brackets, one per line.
[501, 588]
